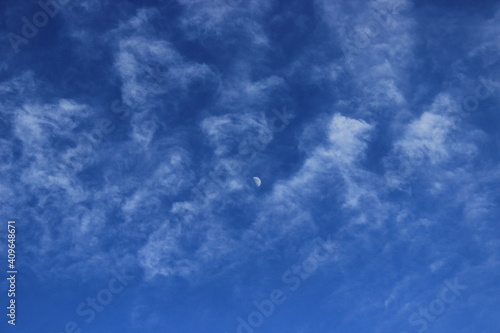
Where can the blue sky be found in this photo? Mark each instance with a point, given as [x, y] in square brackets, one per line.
[130, 132]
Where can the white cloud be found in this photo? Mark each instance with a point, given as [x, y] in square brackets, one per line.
[221, 20]
[150, 68]
[228, 131]
[377, 42]
[435, 137]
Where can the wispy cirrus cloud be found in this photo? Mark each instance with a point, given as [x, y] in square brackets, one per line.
[132, 136]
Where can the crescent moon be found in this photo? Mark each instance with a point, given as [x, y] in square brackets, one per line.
[257, 181]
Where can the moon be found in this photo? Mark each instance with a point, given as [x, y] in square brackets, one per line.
[257, 181]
